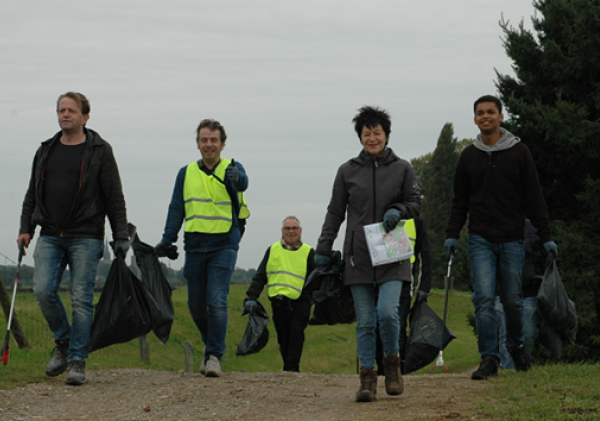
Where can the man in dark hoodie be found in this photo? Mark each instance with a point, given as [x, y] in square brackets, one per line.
[496, 184]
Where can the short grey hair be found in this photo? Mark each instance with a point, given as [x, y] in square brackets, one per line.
[291, 217]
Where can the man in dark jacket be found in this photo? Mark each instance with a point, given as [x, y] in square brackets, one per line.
[284, 270]
[496, 185]
[74, 186]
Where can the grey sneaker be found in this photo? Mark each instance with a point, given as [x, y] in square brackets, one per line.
[76, 374]
[203, 367]
[213, 367]
[58, 363]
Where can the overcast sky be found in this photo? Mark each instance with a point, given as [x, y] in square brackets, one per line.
[284, 78]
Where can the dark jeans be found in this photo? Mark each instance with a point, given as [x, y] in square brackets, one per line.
[208, 276]
[290, 318]
[51, 256]
[499, 265]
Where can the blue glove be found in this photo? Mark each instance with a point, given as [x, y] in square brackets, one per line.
[232, 173]
[421, 296]
[551, 248]
[121, 247]
[322, 261]
[250, 306]
[391, 219]
[451, 245]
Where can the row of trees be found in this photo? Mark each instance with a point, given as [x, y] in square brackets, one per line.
[553, 105]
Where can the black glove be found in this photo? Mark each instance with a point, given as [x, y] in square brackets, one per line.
[121, 247]
[232, 173]
[249, 306]
[421, 296]
[322, 261]
[163, 249]
[451, 245]
[391, 219]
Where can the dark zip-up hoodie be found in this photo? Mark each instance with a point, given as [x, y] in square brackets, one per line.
[498, 187]
[365, 187]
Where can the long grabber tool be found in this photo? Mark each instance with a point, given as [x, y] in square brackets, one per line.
[5, 353]
[440, 359]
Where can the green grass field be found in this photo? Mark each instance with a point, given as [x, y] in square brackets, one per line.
[562, 392]
[328, 349]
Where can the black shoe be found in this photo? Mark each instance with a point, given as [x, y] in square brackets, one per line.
[76, 375]
[488, 368]
[58, 363]
[520, 359]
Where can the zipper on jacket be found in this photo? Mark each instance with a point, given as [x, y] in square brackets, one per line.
[375, 166]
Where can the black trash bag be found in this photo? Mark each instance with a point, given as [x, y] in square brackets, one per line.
[333, 301]
[124, 311]
[157, 284]
[428, 336]
[552, 341]
[557, 310]
[257, 334]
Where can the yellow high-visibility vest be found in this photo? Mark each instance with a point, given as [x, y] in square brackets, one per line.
[286, 270]
[244, 211]
[207, 204]
[411, 232]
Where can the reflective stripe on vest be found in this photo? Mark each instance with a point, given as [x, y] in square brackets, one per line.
[411, 231]
[207, 204]
[286, 270]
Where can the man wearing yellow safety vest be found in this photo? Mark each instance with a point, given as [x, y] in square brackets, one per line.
[208, 198]
[421, 281]
[284, 269]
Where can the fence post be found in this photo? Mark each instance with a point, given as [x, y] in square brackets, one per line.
[144, 349]
[189, 356]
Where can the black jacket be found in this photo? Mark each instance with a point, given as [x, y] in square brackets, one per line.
[100, 194]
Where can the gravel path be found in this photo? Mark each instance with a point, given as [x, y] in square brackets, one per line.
[152, 395]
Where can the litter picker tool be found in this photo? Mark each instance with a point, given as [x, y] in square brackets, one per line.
[5, 353]
[440, 359]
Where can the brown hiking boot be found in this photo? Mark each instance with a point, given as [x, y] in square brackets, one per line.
[394, 384]
[368, 385]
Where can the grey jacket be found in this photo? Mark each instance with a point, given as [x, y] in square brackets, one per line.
[365, 187]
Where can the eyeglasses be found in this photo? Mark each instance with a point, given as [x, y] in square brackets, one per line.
[291, 228]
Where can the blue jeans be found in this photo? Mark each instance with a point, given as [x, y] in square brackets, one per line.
[505, 358]
[51, 256]
[529, 324]
[208, 276]
[498, 264]
[368, 316]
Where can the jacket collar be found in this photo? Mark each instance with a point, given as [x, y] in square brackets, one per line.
[364, 158]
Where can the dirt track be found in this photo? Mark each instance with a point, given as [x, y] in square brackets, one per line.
[150, 395]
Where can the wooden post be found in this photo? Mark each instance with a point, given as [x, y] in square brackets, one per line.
[144, 349]
[15, 329]
[189, 357]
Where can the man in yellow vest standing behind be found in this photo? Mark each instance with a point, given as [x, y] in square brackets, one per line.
[284, 269]
[207, 198]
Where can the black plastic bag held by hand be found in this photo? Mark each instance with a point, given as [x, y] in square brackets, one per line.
[557, 310]
[157, 284]
[256, 335]
[428, 336]
[124, 311]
